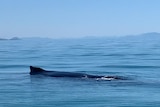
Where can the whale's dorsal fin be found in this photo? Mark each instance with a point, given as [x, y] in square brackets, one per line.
[35, 70]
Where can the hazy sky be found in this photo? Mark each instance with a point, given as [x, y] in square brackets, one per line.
[78, 18]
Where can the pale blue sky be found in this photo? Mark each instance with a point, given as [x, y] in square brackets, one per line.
[78, 18]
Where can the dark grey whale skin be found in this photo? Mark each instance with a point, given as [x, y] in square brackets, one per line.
[40, 71]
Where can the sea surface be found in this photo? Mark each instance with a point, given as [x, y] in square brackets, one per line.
[137, 58]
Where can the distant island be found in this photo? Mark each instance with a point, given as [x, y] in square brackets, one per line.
[2, 39]
[14, 38]
[149, 35]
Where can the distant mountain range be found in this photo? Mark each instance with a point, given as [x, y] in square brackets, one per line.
[150, 35]
[14, 38]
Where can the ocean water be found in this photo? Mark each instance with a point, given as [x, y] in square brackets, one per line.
[135, 58]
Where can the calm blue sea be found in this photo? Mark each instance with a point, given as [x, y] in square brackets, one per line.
[137, 58]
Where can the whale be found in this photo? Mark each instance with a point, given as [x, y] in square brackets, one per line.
[39, 71]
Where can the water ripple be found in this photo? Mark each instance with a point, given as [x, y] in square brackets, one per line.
[129, 66]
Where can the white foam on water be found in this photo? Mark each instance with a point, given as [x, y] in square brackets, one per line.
[105, 78]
